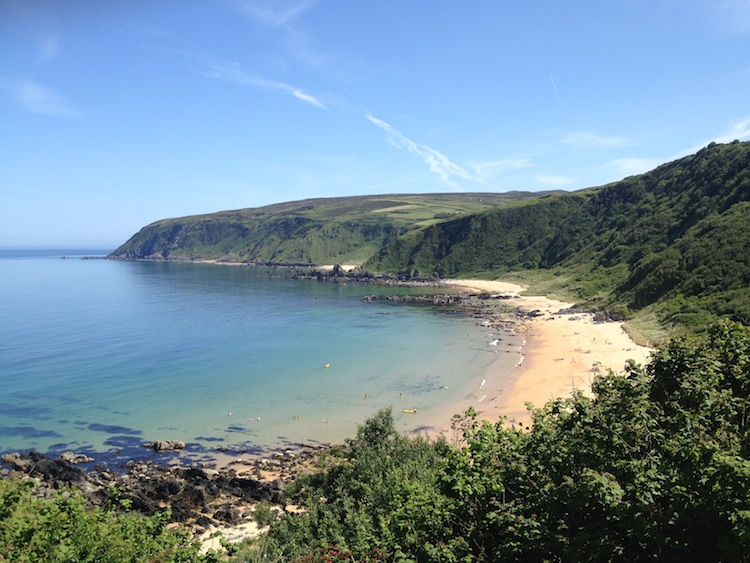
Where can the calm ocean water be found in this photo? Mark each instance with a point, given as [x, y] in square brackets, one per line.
[100, 356]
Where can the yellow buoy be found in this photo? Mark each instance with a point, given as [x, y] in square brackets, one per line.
[327, 365]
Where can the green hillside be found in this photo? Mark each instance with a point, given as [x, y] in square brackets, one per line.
[314, 231]
[671, 244]
[674, 241]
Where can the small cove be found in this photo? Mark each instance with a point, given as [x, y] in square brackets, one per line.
[100, 356]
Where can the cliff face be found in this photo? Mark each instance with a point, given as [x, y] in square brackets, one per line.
[674, 240]
[319, 231]
[279, 240]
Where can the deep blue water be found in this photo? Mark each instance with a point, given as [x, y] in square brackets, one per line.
[101, 356]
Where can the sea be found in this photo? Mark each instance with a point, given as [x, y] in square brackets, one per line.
[100, 356]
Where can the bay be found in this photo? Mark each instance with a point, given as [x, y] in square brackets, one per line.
[100, 356]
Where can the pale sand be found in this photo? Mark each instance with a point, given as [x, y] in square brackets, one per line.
[231, 534]
[562, 353]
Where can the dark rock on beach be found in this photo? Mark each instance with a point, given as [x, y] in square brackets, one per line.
[57, 473]
[165, 445]
[75, 459]
[197, 495]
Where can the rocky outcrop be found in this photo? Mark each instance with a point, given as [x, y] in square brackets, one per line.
[54, 472]
[165, 445]
[197, 495]
[75, 458]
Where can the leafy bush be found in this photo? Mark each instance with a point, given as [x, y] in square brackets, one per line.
[62, 529]
[654, 466]
[381, 491]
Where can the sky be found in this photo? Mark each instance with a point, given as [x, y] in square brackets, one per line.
[117, 114]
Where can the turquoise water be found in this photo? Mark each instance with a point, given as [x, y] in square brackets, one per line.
[99, 356]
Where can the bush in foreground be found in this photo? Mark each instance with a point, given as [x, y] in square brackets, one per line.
[62, 529]
[654, 466]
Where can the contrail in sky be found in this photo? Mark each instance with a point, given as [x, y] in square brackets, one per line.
[557, 94]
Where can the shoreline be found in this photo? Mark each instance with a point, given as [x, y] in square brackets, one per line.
[563, 350]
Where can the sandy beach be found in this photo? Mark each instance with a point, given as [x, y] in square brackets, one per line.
[561, 353]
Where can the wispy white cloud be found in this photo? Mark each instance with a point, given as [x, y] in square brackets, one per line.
[307, 98]
[630, 166]
[233, 72]
[436, 162]
[589, 140]
[553, 181]
[275, 14]
[282, 17]
[489, 170]
[38, 99]
[737, 130]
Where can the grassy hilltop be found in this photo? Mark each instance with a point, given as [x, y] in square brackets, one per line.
[312, 231]
[670, 245]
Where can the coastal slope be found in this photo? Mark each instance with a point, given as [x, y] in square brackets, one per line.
[670, 244]
[308, 232]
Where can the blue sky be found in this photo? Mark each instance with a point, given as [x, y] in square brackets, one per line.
[114, 115]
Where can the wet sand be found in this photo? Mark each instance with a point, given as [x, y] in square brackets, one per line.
[562, 352]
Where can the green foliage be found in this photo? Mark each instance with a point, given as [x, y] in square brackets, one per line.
[314, 231]
[655, 465]
[706, 273]
[499, 239]
[379, 491]
[62, 529]
[264, 515]
[681, 229]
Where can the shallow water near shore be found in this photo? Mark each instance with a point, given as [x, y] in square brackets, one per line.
[100, 356]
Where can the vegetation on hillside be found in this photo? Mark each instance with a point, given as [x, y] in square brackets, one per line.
[673, 241]
[314, 231]
[62, 529]
[655, 465]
